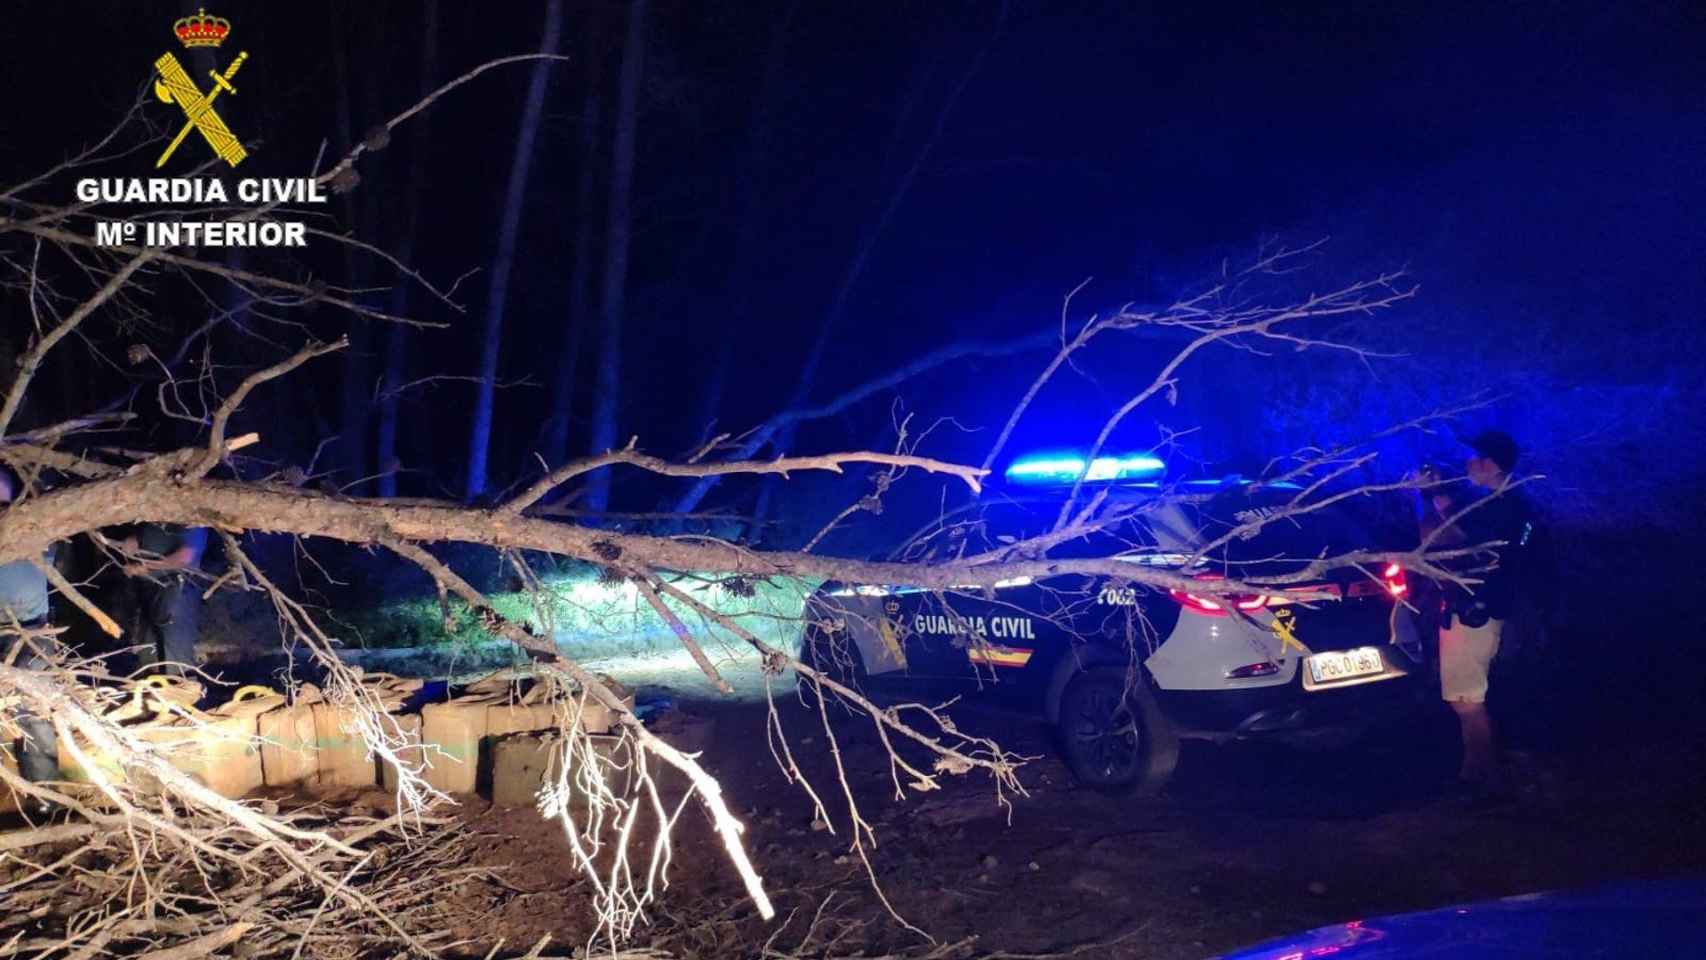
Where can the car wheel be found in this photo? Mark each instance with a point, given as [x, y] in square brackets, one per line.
[1113, 735]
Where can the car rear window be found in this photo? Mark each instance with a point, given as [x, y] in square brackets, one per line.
[1364, 522]
[1295, 532]
[1010, 520]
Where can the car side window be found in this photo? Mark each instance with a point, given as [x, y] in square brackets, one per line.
[1011, 521]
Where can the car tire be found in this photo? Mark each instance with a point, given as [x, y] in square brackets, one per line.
[1113, 735]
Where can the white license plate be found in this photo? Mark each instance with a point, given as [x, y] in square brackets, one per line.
[1340, 665]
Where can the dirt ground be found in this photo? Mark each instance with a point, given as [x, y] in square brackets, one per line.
[1249, 842]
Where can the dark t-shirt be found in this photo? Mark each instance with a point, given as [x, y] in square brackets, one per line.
[1507, 517]
[164, 539]
[23, 592]
[159, 539]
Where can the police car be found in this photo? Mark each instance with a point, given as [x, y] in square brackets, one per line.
[1124, 670]
[1627, 921]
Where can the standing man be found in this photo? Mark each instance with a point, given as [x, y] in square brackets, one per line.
[23, 612]
[1470, 638]
[165, 605]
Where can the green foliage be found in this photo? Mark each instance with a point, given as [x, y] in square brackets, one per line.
[588, 616]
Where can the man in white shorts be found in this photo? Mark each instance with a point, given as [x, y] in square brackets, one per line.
[1470, 638]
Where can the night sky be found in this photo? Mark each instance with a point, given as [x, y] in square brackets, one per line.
[1536, 167]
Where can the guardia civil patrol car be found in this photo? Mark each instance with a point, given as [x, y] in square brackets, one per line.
[1122, 669]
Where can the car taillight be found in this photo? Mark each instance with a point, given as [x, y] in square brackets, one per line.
[1396, 585]
[1216, 606]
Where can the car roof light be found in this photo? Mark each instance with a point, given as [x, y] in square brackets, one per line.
[1155, 559]
[1058, 468]
[860, 590]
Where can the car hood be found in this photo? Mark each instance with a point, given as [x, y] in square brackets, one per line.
[1623, 922]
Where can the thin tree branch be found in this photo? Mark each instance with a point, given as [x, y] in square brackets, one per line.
[216, 445]
[31, 360]
[643, 581]
[108, 625]
[832, 462]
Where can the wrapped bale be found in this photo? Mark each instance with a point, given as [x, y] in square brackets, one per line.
[528, 712]
[522, 764]
[345, 759]
[450, 742]
[412, 752]
[290, 754]
[173, 690]
[219, 749]
[231, 761]
[458, 735]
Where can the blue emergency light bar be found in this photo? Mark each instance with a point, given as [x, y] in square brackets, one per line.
[1051, 469]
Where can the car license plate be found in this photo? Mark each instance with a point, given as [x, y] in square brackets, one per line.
[1340, 665]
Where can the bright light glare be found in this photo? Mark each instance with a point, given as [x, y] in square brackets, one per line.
[1064, 469]
[1155, 559]
[862, 590]
[1009, 582]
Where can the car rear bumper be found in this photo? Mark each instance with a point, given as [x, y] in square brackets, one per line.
[1288, 711]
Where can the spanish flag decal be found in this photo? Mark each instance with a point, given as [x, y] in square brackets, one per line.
[994, 656]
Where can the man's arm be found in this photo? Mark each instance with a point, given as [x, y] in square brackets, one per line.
[186, 556]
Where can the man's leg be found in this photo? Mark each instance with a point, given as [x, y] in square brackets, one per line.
[38, 758]
[178, 635]
[154, 601]
[38, 761]
[145, 645]
[1480, 755]
[1465, 657]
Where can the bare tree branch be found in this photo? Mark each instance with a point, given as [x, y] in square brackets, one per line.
[642, 580]
[108, 625]
[31, 361]
[832, 462]
[216, 434]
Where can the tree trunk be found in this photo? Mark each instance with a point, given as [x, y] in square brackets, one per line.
[497, 293]
[616, 237]
[580, 281]
[748, 202]
[350, 462]
[397, 338]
